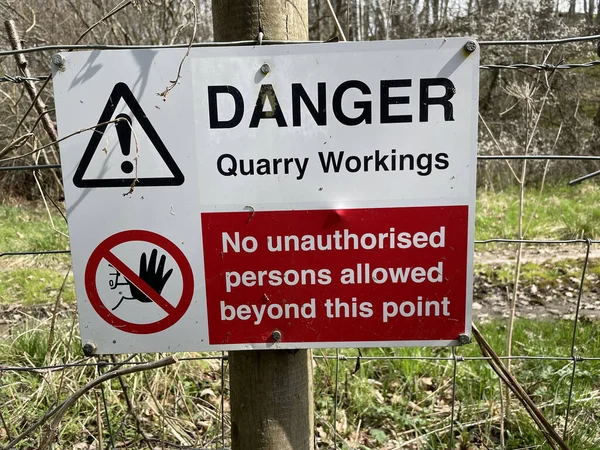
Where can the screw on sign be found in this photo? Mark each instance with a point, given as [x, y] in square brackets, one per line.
[145, 287]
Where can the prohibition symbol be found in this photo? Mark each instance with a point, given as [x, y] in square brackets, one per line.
[146, 286]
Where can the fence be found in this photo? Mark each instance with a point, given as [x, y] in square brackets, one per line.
[165, 416]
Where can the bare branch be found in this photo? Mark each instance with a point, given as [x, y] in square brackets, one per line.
[174, 82]
[59, 411]
[554, 440]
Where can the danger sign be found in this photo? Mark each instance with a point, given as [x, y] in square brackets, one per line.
[279, 197]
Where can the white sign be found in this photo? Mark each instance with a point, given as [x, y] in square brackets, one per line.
[293, 196]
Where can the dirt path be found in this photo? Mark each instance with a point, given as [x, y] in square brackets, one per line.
[559, 252]
[537, 297]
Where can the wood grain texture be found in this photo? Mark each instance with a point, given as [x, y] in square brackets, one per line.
[235, 20]
[271, 400]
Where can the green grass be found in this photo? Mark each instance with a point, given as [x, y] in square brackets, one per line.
[28, 286]
[562, 212]
[31, 280]
[393, 400]
[383, 395]
[28, 228]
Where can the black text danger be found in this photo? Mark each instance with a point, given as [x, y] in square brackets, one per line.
[433, 99]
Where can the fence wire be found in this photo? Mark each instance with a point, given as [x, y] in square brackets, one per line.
[343, 359]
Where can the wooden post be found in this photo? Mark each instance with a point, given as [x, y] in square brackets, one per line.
[271, 400]
[271, 390]
[235, 20]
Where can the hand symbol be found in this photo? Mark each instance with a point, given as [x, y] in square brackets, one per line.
[154, 276]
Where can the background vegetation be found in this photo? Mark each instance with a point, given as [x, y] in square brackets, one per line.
[389, 403]
[556, 112]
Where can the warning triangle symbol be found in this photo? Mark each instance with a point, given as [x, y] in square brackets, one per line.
[124, 132]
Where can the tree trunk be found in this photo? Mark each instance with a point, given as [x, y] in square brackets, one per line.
[357, 25]
[235, 20]
[435, 6]
[572, 5]
[272, 404]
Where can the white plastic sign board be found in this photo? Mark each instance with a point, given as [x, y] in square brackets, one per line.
[290, 196]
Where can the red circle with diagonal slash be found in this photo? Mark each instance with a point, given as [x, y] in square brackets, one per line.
[104, 252]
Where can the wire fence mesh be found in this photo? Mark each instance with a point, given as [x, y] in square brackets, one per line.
[159, 411]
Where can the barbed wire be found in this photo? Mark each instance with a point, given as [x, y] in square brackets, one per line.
[59, 47]
[17, 79]
[35, 253]
[546, 67]
[557, 41]
[101, 363]
[340, 357]
[68, 47]
[32, 167]
[540, 157]
[477, 242]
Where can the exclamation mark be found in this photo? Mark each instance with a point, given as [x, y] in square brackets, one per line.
[124, 134]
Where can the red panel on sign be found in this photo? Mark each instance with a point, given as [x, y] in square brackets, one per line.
[371, 275]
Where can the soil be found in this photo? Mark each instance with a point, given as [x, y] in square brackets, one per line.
[538, 298]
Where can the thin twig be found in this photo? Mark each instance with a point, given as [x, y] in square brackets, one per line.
[542, 184]
[497, 144]
[43, 194]
[15, 144]
[130, 407]
[500, 389]
[59, 411]
[31, 106]
[61, 382]
[55, 313]
[37, 149]
[99, 421]
[336, 21]
[4, 425]
[112, 12]
[165, 93]
[553, 438]
[513, 300]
